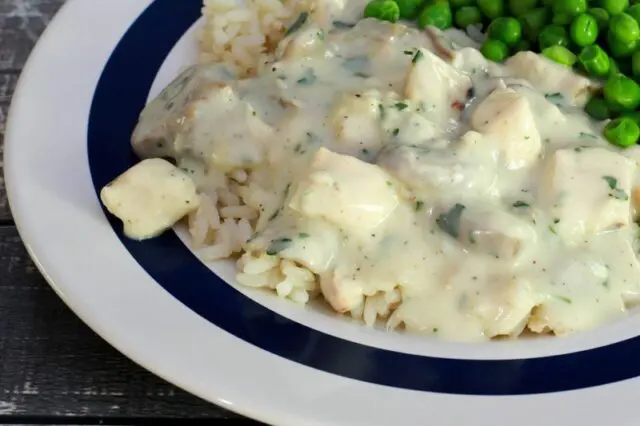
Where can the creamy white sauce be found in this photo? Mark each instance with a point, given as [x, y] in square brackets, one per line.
[475, 201]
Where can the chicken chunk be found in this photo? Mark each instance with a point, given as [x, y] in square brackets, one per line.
[488, 230]
[345, 191]
[435, 82]
[587, 191]
[356, 120]
[150, 197]
[159, 122]
[469, 168]
[343, 294]
[575, 297]
[202, 116]
[550, 77]
[506, 116]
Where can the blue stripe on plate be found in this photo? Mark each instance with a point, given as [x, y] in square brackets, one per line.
[119, 98]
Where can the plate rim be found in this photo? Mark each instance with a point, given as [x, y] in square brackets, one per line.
[11, 188]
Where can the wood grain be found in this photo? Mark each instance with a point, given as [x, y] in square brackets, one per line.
[7, 85]
[21, 23]
[54, 369]
[52, 364]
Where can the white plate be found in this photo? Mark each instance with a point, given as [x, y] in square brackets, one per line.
[68, 134]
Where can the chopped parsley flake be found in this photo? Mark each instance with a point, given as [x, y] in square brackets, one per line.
[554, 98]
[520, 204]
[300, 21]
[278, 245]
[417, 57]
[419, 205]
[449, 222]
[616, 192]
[611, 181]
[401, 105]
[584, 135]
[308, 78]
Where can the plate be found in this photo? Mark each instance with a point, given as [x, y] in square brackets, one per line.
[68, 134]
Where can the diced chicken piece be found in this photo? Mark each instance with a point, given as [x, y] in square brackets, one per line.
[344, 294]
[345, 191]
[408, 127]
[303, 43]
[550, 77]
[159, 122]
[506, 116]
[150, 198]
[356, 120]
[435, 82]
[587, 191]
[504, 305]
[314, 244]
[576, 298]
[489, 230]
[200, 115]
[490, 305]
[469, 168]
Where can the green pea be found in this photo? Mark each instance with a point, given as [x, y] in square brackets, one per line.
[614, 69]
[621, 93]
[438, 15]
[584, 30]
[522, 46]
[622, 132]
[561, 55]
[455, 4]
[619, 49]
[634, 12]
[553, 35]
[633, 115]
[614, 7]
[624, 28]
[467, 15]
[495, 50]
[409, 9]
[597, 108]
[635, 65]
[595, 61]
[384, 10]
[519, 7]
[533, 21]
[561, 19]
[492, 9]
[602, 17]
[507, 30]
[571, 8]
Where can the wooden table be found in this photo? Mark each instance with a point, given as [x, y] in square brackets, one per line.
[53, 368]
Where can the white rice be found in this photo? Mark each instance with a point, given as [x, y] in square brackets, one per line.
[240, 33]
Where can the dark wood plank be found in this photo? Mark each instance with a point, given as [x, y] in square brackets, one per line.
[21, 23]
[7, 86]
[52, 364]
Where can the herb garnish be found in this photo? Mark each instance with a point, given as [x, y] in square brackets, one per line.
[449, 222]
[616, 192]
[308, 78]
[520, 204]
[300, 21]
[278, 245]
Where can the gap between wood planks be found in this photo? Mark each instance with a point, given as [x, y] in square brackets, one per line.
[95, 421]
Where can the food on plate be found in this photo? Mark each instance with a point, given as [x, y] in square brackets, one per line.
[393, 172]
[597, 42]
